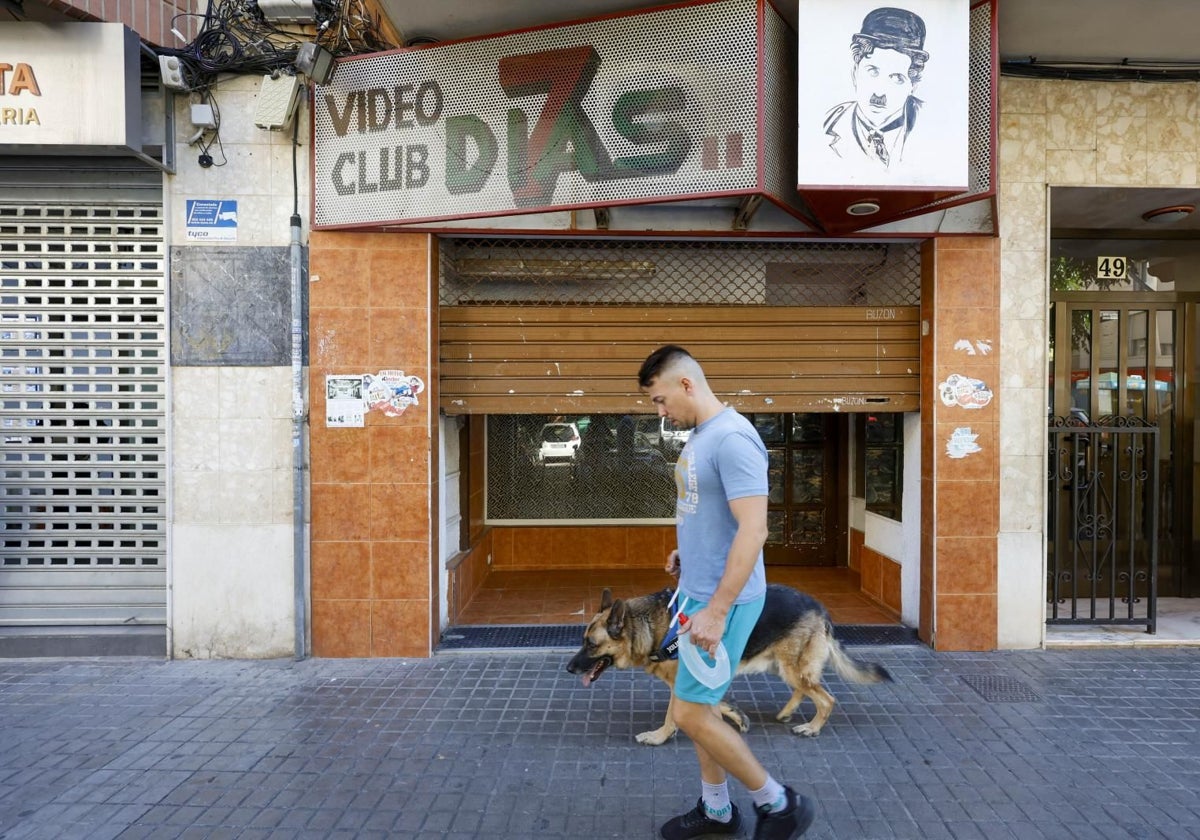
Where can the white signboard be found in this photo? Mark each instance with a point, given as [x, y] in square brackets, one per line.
[211, 219]
[615, 111]
[883, 94]
[69, 85]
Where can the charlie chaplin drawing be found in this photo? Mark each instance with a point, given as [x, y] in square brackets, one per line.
[889, 58]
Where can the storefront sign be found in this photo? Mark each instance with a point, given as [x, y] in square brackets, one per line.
[646, 107]
[883, 94]
[69, 86]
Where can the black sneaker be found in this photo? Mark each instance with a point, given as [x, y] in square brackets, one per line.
[697, 823]
[787, 824]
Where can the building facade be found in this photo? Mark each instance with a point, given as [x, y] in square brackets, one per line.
[279, 509]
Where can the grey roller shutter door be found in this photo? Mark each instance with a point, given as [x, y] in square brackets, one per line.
[83, 398]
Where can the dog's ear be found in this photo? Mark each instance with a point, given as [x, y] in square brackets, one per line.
[606, 599]
[616, 619]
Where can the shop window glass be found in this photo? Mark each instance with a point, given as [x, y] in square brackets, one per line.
[879, 477]
[581, 467]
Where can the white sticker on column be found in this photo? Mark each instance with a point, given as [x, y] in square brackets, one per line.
[962, 443]
[964, 392]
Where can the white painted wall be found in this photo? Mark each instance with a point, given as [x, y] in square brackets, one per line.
[901, 541]
[230, 560]
[450, 478]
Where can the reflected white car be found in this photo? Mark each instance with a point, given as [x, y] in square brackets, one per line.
[560, 442]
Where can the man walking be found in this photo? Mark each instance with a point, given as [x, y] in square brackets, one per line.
[721, 525]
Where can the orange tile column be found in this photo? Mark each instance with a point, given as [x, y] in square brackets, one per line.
[372, 307]
[960, 435]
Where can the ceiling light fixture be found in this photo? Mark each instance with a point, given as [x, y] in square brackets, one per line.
[866, 207]
[1169, 215]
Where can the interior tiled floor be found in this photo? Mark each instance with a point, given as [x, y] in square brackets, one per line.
[572, 597]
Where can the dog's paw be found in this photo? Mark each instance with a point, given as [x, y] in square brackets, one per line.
[655, 737]
[734, 717]
[806, 729]
[783, 717]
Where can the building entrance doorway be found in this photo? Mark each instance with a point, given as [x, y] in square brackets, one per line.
[806, 516]
[1122, 359]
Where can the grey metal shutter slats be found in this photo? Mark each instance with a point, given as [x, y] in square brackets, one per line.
[83, 406]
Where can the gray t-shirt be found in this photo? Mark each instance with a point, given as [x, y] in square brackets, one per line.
[724, 459]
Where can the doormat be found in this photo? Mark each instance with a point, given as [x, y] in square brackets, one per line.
[510, 636]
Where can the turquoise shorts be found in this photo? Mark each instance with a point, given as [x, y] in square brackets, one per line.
[738, 626]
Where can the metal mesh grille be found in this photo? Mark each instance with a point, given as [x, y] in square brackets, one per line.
[547, 272]
[82, 342]
[979, 154]
[779, 130]
[979, 130]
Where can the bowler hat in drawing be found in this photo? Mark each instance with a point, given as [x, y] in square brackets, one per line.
[896, 29]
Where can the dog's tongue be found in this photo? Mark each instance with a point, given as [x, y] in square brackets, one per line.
[590, 676]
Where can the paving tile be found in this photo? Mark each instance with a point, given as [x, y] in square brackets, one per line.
[1080, 743]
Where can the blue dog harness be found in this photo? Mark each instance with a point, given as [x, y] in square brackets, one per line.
[670, 644]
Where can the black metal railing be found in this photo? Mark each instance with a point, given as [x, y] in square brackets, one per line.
[1102, 533]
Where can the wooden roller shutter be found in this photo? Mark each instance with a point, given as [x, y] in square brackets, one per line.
[578, 359]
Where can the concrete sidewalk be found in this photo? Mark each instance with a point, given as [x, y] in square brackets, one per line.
[1053, 744]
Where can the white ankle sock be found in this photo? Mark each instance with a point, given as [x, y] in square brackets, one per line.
[716, 801]
[770, 794]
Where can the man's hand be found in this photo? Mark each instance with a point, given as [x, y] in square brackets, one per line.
[707, 627]
[672, 567]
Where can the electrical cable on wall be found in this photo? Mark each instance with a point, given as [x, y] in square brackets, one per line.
[234, 36]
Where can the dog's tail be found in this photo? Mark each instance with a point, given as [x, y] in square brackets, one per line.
[850, 668]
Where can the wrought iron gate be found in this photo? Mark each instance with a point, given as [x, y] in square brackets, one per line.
[1103, 503]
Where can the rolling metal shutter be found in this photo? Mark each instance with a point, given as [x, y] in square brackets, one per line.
[83, 390]
[564, 360]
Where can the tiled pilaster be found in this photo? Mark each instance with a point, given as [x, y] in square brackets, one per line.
[960, 477]
[374, 489]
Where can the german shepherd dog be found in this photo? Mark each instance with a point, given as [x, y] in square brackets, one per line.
[793, 638]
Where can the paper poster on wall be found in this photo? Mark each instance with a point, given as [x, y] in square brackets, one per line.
[344, 406]
[883, 93]
[391, 391]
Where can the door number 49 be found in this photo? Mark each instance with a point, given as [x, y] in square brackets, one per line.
[1111, 268]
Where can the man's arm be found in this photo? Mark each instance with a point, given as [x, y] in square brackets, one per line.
[750, 513]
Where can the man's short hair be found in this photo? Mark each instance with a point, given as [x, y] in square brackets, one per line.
[658, 361]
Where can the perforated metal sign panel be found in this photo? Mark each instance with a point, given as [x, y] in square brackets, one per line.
[82, 411]
[646, 107]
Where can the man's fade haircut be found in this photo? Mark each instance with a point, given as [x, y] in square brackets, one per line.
[658, 361]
